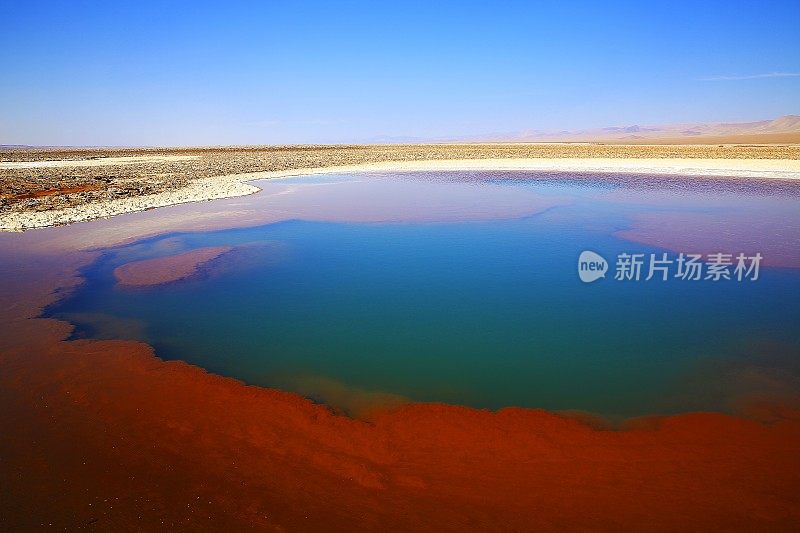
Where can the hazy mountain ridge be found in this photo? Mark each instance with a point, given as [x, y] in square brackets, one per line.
[789, 124]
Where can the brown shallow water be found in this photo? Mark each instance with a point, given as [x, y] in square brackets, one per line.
[167, 269]
[104, 434]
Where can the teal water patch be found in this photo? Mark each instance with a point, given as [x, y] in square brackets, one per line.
[487, 313]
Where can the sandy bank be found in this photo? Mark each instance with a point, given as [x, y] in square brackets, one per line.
[160, 270]
[236, 184]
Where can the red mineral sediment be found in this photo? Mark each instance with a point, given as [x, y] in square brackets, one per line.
[104, 434]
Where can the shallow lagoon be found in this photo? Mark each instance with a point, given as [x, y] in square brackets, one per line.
[463, 288]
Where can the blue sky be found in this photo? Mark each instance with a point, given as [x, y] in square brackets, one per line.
[227, 72]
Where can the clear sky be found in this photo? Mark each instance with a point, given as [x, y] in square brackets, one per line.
[227, 72]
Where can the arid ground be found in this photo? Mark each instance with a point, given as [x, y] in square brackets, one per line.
[40, 188]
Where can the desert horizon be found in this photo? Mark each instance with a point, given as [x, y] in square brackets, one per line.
[780, 130]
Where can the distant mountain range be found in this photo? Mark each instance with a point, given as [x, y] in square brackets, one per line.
[783, 130]
[780, 130]
[789, 124]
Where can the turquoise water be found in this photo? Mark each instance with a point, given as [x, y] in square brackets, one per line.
[486, 311]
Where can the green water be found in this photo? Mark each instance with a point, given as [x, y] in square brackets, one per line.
[485, 312]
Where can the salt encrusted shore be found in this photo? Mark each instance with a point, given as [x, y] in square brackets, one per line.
[94, 162]
[195, 191]
[233, 185]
